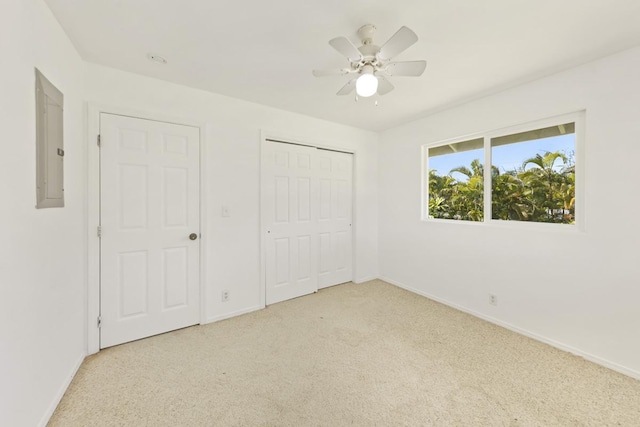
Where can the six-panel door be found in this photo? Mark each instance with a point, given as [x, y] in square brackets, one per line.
[306, 219]
[289, 190]
[335, 171]
[149, 207]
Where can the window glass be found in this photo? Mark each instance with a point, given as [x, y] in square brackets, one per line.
[533, 175]
[456, 181]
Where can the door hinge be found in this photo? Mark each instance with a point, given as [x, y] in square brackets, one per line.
[99, 141]
[99, 231]
[99, 321]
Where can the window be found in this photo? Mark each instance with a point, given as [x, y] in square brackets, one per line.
[456, 181]
[533, 175]
[532, 178]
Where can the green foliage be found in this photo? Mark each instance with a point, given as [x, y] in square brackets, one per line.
[541, 190]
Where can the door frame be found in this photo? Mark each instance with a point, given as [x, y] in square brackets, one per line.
[307, 142]
[93, 112]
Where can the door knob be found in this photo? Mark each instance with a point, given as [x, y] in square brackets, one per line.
[193, 236]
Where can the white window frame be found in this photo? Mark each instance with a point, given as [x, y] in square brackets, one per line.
[577, 117]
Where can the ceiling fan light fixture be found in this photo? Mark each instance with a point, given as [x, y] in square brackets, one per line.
[370, 65]
[367, 83]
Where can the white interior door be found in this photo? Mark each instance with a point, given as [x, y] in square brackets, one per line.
[150, 197]
[289, 220]
[335, 175]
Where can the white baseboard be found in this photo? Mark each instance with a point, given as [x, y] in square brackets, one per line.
[364, 279]
[232, 314]
[63, 388]
[587, 356]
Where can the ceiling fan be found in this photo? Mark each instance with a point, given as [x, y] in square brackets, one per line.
[372, 64]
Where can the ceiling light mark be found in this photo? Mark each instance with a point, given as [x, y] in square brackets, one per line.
[156, 58]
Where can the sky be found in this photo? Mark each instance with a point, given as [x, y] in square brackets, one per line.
[505, 157]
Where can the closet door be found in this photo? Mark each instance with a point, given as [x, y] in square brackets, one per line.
[289, 220]
[335, 183]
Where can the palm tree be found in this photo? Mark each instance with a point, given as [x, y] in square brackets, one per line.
[541, 190]
[468, 199]
[437, 206]
[545, 181]
[477, 169]
[510, 200]
[441, 189]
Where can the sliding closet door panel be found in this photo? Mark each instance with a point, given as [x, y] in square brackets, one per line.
[335, 177]
[289, 192]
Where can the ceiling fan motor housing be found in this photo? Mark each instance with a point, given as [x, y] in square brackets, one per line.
[368, 50]
[366, 32]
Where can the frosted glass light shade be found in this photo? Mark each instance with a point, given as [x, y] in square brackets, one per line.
[366, 85]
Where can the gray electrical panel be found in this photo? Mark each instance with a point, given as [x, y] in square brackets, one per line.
[49, 144]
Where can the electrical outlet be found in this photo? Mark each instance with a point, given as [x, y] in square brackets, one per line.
[225, 295]
[493, 299]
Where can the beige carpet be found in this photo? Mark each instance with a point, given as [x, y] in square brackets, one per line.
[351, 355]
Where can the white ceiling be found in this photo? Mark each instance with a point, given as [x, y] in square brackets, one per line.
[264, 51]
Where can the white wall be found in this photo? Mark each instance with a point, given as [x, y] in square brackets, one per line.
[579, 290]
[232, 166]
[43, 261]
[42, 252]
[588, 304]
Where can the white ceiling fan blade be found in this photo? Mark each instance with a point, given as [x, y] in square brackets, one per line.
[384, 86]
[348, 88]
[407, 68]
[332, 72]
[345, 47]
[400, 41]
